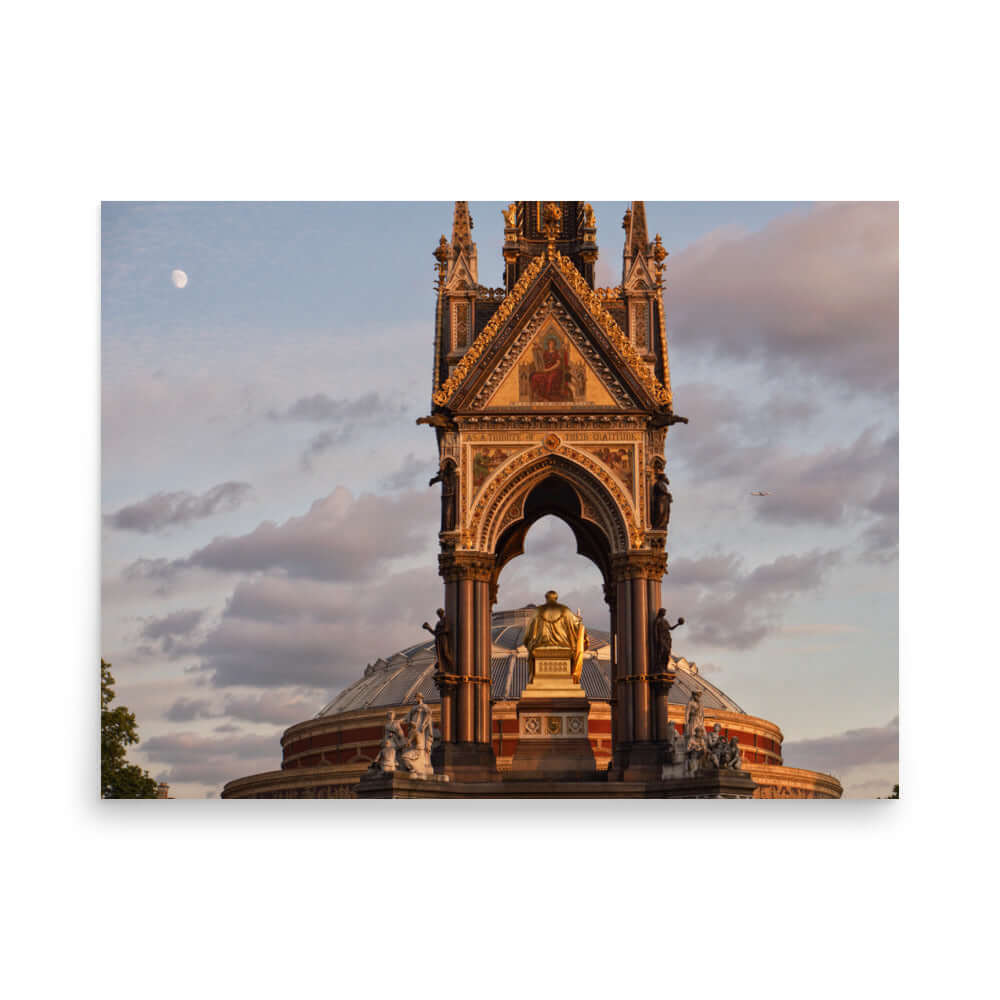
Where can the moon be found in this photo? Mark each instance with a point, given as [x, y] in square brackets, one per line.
[179, 278]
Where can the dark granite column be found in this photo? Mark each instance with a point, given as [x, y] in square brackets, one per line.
[639, 750]
[467, 754]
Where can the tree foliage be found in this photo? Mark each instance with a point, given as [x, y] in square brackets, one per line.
[119, 779]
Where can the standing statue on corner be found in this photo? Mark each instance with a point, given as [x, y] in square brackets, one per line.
[442, 643]
[448, 478]
[661, 499]
[662, 640]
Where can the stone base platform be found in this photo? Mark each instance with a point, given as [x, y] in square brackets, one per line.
[713, 785]
[552, 740]
[638, 762]
[465, 761]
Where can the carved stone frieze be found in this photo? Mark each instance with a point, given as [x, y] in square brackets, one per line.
[496, 321]
[595, 305]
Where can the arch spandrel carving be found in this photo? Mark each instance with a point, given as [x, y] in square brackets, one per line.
[602, 501]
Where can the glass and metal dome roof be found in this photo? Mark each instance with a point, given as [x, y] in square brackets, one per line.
[397, 679]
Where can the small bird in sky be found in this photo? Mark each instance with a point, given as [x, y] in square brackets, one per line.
[760, 493]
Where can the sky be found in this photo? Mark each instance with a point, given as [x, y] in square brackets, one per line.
[268, 528]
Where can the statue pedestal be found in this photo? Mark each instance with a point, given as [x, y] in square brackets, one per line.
[552, 676]
[552, 738]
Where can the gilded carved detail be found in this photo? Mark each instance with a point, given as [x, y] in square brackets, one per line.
[521, 473]
[496, 321]
[594, 303]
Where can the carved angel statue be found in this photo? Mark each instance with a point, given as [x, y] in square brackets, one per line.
[416, 758]
[731, 756]
[675, 743]
[694, 715]
[715, 742]
[697, 750]
[588, 216]
[510, 215]
[393, 741]
[421, 728]
[551, 217]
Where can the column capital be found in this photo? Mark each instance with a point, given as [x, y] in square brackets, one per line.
[454, 566]
[641, 564]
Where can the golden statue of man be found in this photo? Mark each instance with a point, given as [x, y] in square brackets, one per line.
[554, 624]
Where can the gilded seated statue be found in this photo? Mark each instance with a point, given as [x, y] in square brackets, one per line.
[554, 626]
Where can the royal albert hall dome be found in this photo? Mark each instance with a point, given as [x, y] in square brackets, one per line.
[325, 756]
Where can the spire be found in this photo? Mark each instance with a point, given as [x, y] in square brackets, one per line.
[532, 227]
[463, 265]
[634, 224]
[461, 230]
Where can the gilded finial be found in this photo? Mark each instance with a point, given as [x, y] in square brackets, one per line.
[659, 256]
[551, 216]
[441, 252]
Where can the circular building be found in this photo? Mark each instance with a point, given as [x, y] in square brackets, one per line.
[325, 757]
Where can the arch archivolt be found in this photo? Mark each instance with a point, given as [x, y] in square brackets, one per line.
[602, 501]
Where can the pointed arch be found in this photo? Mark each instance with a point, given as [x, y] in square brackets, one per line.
[560, 481]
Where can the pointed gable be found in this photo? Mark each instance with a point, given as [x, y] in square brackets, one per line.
[638, 278]
[589, 335]
[547, 366]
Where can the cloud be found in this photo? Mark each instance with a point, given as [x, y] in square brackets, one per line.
[339, 538]
[172, 635]
[732, 436]
[176, 623]
[349, 415]
[409, 473]
[859, 480]
[819, 488]
[320, 408]
[324, 442]
[817, 628]
[843, 751]
[818, 291]
[725, 606]
[163, 510]
[274, 707]
[207, 760]
[881, 539]
[280, 631]
[188, 709]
